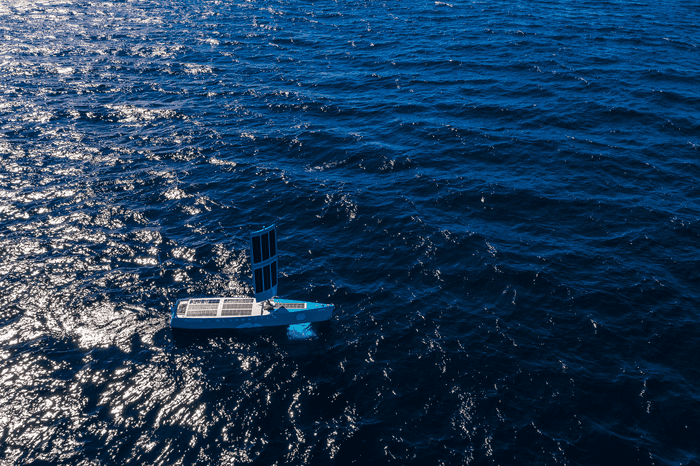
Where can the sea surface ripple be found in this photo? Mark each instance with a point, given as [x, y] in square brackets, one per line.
[500, 198]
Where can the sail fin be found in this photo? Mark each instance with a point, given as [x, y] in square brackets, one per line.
[263, 247]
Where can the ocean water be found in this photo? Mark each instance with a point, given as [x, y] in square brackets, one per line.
[501, 198]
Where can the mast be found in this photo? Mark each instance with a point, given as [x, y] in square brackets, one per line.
[264, 262]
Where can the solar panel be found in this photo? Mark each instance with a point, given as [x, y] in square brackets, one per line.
[258, 279]
[291, 305]
[202, 313]
[236, 312]
[273, 243]
[265, 246]
[204, 301]
[238, 306]
[266, 277]
[257, 256]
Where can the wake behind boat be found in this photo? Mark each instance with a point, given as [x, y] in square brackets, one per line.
[262, 310]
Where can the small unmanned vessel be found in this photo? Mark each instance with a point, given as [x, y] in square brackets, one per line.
[262, 310]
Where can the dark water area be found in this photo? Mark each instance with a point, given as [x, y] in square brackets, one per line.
[500, 198]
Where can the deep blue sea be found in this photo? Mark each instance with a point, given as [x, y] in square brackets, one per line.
[501, 199]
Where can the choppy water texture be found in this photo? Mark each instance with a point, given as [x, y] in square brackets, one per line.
[500, 198]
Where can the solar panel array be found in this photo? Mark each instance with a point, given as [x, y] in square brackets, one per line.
[264, 255]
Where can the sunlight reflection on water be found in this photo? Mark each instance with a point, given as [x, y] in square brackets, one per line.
[430, 162]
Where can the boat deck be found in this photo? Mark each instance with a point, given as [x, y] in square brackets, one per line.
[231, 307]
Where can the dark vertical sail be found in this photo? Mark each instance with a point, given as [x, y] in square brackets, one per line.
[264, 262]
